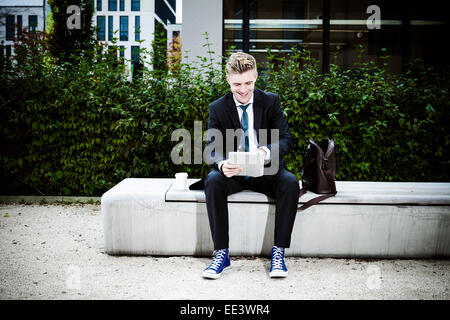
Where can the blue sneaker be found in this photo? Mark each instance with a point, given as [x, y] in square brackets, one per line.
[277, 267]
[220, 263]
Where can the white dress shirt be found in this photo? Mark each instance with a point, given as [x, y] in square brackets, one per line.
[253, 141]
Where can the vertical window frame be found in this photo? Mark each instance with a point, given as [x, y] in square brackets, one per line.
[135, 53]
[110, 28]
[10, 23]
[123, 28]
[31, 26]
[135, 5]
[112, 5]
[101, 28]
[137, 28]
[19, 25]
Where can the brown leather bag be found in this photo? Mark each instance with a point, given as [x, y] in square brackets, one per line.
[319, 171]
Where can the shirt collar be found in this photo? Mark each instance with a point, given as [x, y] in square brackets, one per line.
[237, 103]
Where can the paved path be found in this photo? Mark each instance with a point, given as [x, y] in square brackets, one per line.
[56, 252]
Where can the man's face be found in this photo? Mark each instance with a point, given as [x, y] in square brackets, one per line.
[242, 85]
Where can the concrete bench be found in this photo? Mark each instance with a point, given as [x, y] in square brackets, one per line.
[365, 219]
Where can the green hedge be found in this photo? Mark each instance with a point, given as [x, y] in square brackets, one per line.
[388, 127]
[79, 128]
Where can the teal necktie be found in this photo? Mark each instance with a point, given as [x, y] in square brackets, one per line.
[244, 123]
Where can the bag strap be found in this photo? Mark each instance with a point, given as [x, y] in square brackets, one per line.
[316, 200]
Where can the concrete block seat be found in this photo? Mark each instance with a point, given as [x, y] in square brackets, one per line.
[365, 219]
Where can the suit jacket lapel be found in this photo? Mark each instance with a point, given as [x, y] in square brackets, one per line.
[257, 111]
[232, 112]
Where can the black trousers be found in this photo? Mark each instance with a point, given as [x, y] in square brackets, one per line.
[283, 186]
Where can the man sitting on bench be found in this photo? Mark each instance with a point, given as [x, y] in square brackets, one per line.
[249, 109]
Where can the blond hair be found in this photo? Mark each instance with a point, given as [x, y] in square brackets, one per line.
[240, 62]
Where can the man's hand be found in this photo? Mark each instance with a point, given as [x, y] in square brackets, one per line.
[262, 153]
[230, 170]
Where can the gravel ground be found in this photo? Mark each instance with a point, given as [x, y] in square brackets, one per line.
[56, 252]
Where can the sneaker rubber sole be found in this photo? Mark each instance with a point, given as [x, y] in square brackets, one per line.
[213, 275]
[278, 274]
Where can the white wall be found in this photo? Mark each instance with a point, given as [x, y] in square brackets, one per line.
[200, 16]
[179, 10]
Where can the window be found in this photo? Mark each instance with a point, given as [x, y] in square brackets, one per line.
[122, 5]
[8, 51]
[112, 51]
[172, 4]
[19, 26]
[101, 28]
[99, 5]
[123, 28]
[406, 33]
[255, 26]
[112, 5]
[9, 27]
[135, 53]
[32, 23]
[136, 65]
[137, 28]
[110, 28]
[121, 51]
[162, 10]
[135, 5]
[337, 30]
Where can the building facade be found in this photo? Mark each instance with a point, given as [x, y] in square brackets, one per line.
[17, 16]
[132, 23]
[333, 31]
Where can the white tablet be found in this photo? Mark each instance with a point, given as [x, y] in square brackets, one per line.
[252, 163]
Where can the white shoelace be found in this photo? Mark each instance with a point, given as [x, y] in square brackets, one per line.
[218, 259]
[277, 261]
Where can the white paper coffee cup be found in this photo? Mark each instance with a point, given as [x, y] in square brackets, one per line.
[181, 180]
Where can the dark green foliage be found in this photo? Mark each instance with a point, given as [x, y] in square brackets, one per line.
[79, 127]
[388, 127]
[62, 42]
[159, 45]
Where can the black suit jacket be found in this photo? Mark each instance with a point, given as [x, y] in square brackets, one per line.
[267, 114]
